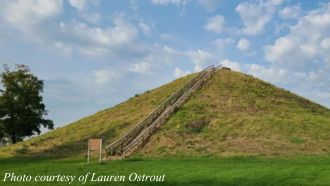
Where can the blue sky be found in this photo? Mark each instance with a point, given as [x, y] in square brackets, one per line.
[95, 54]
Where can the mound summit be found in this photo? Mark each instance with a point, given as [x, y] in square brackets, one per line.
[232, 114]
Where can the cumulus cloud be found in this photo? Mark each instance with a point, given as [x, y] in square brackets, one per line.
[306, 41]
[215, 24]
[326, 43]
[200, 58]
[256, 14]
[28, 19]
[165, 2]
[274, 75]
[290, 12]
[222, 43]
[142, 67]
[78, 4]
[210, 5]
[178, 72]
[145, 28]
[300, 59]
[99, 41]
[243, 45]
[159, 55]
[103, 76]
[231, 64]
[25, 15]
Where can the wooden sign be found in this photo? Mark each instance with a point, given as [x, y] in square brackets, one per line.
[96, 146]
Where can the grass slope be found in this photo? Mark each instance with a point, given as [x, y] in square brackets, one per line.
[188, 171]
[233, 114]
[108, 124]
[238, 114]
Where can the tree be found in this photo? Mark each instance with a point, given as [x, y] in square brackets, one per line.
[21, 105]
[2, 114]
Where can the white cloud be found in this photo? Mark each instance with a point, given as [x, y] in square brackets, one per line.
[142, 67]
[306, 41]
[276, 2]
[222, 43]
[65, 49]
[97, 40]
[180, 3]
[290, 12]
[178, 72]
[275, 75]
[231, 64]
[215, 24]
[300, 60]
[280, 27]
[210, 5]
[92, 18]
[256, 14]
[160, 56]
[323, 95]
[200, 58]
[164, 55]
[326, 43]
[243, 45]
[103, 76]
[25, 15]
[78, 4]
[36, 21]
[165, 2]
[145, 28]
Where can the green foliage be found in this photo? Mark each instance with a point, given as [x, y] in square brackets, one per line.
[2, 132]
[22, 109]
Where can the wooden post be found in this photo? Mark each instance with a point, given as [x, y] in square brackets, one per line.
[88, 154]
[100, 159]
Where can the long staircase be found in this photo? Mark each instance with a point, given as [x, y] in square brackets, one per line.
[136, 137]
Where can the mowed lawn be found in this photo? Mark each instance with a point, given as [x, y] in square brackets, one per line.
[182, 171]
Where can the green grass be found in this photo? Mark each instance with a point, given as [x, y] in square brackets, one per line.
[238, 114]
[108, 124]
[232, 114]
[184, 171]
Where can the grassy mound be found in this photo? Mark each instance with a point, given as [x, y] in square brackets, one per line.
[109, 124]
[232, 114]
[235, 114]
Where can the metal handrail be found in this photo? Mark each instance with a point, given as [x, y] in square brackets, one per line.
[150, 129]
[153, 115]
